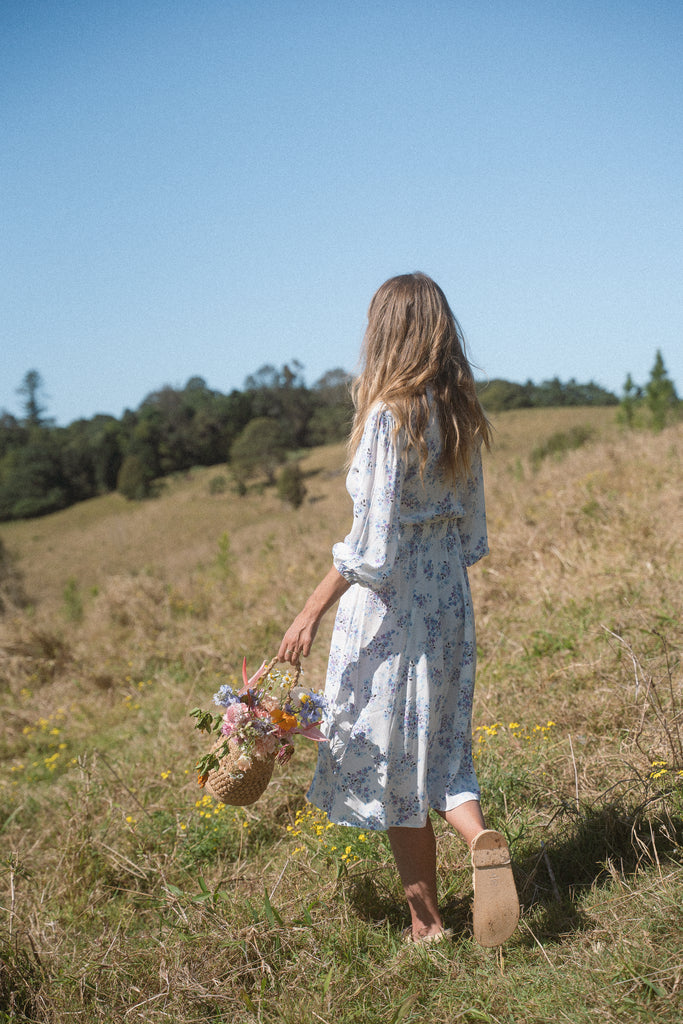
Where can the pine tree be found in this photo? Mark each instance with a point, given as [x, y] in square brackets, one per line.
[30, 387]
[660, 394]
[627, 406]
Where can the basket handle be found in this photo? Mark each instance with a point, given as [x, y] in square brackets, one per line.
[271, 665]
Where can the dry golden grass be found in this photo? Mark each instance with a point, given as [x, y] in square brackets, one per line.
[124, 897]
[169, 538]
[175, 535]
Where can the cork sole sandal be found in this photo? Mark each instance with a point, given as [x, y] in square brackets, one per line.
[496, 906]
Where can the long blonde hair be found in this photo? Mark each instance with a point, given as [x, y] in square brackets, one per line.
[414, 349]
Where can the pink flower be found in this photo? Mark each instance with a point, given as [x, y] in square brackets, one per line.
[265, 745]
[235, 716]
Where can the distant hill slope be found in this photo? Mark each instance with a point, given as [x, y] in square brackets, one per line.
[170, 536]
[45, 468]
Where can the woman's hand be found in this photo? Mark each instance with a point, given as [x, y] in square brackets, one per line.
[297, 641]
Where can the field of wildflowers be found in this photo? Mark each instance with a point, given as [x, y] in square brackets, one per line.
[127, 893]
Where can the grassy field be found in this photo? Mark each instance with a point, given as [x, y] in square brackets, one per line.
[126, 894]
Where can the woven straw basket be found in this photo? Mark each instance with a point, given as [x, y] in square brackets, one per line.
[239, 786]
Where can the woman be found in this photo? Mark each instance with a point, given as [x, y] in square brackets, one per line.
[401, 669]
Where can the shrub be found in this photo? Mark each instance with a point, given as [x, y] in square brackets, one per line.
[11, 589]
[134, 480]
[72, 601]
[290, 485]
[561, 442]
[218, 484]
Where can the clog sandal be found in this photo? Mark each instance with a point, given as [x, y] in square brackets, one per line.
[496, 906]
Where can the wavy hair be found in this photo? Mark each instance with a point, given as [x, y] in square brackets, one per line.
[413, 352]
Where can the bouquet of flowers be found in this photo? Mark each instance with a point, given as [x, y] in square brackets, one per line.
[257, 726]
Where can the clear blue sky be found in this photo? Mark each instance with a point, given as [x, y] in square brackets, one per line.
[201, 187]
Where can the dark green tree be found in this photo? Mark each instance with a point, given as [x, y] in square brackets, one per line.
[260, 448]
[30, 389]
[106, 444]
[660, 394]
[498, 395]
[135, 479]
[332, 408]
[76, 456]
[629, 401]
[144, 440]
[160, 436]
[31, 478]
[282, 395]
[12, 434]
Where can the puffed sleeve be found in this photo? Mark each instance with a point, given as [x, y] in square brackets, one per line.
[367, 554]
[472, 525]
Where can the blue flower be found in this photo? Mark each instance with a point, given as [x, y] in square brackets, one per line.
[312, 707]
[226, 696]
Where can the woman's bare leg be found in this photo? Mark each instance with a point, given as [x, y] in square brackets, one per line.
[495, 912]
[466, 819]
[414, 851]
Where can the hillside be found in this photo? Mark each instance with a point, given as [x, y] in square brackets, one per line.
[44, 468]
[126, 894]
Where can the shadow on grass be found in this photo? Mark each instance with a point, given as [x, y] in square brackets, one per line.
[588, 848]
[584, 849]
[20, 976]
[375, 900]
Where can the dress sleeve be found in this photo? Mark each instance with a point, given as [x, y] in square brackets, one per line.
[472, 525]
[367, 554]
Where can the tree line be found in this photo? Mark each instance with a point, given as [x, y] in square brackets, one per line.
[44, 468]
[256, 430]
[499, 395]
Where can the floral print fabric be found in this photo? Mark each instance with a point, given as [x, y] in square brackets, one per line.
[402, 662]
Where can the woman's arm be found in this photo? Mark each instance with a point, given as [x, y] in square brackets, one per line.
[367, 555]
[300, 635]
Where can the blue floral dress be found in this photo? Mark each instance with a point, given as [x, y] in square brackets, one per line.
[401, 671]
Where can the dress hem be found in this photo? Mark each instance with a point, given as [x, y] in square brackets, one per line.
[371, 826]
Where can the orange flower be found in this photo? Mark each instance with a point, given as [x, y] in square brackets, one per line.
[283, 719]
